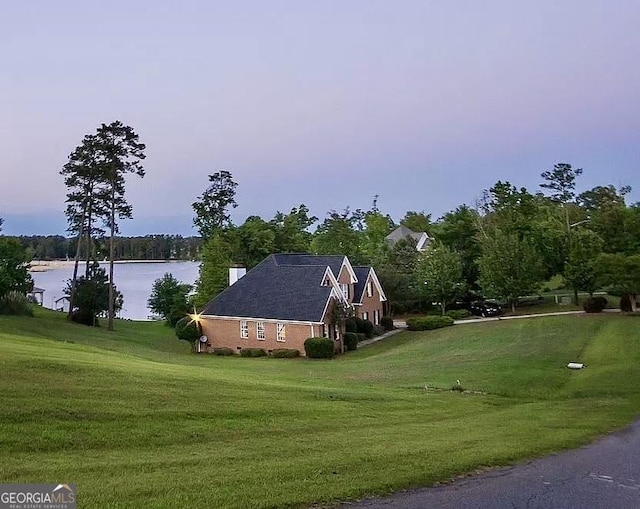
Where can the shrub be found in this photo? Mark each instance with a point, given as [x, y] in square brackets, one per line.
[253, 352]
[15, 303]
[378, 330]
[594, 304]
[350, 325]
[187, 330]
[319, 348]
[458, 314]
[365, 327]
[85, 317]
[429, 322]
[285, 353]
[350, 341]
[387, 323]
[223, 350]
[625, 304]
[361, 336]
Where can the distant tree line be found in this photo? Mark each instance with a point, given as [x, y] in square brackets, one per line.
[148, 247]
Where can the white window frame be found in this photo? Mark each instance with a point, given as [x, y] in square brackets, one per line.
[369, 289]
[365, 315]
[260, 331]
[281, 335]
[244, 329]
[376, 317]
[345, 290]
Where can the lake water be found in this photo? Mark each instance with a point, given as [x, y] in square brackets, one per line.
[133, 280]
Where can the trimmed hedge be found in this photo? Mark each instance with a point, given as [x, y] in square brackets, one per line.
[595, 304]
[350, 341]
[458, 314]
[285, 353]
[429, 322]
[223, 350]
[253, 352]
[378, 330]
[319, 348]
[361, 336]
[387, 323]
[350, 325]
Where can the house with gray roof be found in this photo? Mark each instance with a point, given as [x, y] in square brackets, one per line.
[288, 298]
[421, 239]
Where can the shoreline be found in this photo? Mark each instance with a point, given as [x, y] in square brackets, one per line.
[45, 265]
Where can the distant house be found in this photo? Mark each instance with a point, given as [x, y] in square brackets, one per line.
[421, 239]
[288, 298]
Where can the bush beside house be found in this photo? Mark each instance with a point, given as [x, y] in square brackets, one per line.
[428, 322]
[319, 348]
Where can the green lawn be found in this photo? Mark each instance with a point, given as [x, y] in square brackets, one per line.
[137, 421]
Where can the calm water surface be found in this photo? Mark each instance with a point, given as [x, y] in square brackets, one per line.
[134, 280]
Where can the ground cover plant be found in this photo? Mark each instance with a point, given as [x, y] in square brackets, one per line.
[136, 420]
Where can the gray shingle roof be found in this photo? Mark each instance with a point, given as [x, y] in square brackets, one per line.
[402, 232]
[361, 273]
[282, 286]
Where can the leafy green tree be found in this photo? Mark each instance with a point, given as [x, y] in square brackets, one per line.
[254, 241]
[609, 216]
[509, 209]
[458, 230]
[621, 273]
[509, 267]
[14, 275]
[340, 234]
[417, 221]
[169, 298]
[292, 230]
[211, 208]
[440, 276]
[92, 296]
[581, 268]
[397, 274]
[373, 241]
[214, 269]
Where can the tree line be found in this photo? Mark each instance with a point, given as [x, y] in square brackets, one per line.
[504, 246]
[147, 247]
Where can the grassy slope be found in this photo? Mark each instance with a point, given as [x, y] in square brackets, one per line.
[136, 421]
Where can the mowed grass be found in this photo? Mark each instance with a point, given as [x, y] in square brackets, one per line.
[137, 421]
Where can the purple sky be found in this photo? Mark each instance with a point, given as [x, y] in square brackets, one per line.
[325, 103]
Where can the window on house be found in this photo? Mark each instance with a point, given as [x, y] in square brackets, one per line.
[244, 329]
[345, 290]
[365, 315]
[282, 333]
[260, 330]
[376, 317]
[369, 289]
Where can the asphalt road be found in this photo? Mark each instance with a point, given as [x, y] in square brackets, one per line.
[603, 475]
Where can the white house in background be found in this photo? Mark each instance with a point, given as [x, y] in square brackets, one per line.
[421, 239]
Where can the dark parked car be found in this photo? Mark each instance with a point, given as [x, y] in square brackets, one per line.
[485, 308]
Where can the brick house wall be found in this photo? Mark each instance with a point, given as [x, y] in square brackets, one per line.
[223, 332]
[371, 307]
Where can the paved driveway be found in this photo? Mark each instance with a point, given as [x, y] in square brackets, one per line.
[603, 475]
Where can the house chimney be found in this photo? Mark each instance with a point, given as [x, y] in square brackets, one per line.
[236, 273]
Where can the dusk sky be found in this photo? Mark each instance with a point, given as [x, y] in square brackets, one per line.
[328, 103]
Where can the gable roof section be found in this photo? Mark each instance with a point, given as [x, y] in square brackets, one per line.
[402, 232]
[281, 287]
[364, 273]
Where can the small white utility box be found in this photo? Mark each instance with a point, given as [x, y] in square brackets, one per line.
[575, 365]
